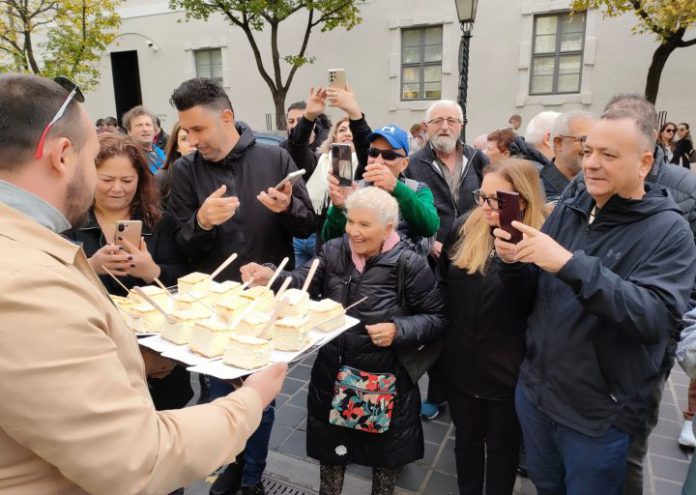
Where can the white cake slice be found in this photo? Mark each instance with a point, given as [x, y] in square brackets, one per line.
[195, 281]
[252, 324]
[231, 307]
[186, 301]
[247, 352]
[291, 334]
[326, 315]
[209, 338]
[297, 303]
[156, 293]
[179, 332]
[260, 293]
[146, 318]
[221, 291]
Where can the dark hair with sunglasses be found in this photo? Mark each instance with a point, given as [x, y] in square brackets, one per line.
[30, 113]
[200, 92]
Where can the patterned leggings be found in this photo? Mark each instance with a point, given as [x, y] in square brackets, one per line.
[383, 480]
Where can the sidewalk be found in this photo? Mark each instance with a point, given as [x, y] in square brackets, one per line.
[290, 472]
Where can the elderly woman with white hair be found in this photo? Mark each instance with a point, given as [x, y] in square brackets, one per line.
[380, 429]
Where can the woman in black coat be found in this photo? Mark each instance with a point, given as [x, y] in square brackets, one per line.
[484, 341]
[683, 146]
[126, 191]
[365, 263]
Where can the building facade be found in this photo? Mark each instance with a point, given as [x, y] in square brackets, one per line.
[526, 56]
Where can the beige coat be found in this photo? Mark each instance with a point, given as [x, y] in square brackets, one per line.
[75, 413]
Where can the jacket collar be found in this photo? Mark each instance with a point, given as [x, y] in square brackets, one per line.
[90, 222]
[555, 177]
[26, 230]
[33, 206]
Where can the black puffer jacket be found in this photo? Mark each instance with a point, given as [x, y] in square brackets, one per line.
[338, 279]
[423, 168]
[484, 340]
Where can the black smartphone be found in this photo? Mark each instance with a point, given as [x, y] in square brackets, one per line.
[342, 164]
[509, 210]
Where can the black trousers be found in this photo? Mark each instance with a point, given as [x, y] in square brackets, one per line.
[173, 391]
[487, 443]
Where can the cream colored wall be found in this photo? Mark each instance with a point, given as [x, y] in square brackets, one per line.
[615, 61]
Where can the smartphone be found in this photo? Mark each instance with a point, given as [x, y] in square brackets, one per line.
[342, 164]
[509, 210]
[291, 178]
[128, 229]
[337, 78]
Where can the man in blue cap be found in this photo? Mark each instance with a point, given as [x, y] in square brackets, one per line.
[387, 158]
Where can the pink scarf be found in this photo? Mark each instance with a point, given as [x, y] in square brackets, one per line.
[359, 261]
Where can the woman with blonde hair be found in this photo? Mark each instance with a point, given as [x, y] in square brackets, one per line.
[484, 341]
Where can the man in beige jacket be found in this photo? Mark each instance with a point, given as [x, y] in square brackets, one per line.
[75, 413]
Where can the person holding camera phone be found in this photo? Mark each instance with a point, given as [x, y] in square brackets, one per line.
[483, 343]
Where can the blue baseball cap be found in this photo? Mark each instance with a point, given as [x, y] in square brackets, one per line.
[395, 136]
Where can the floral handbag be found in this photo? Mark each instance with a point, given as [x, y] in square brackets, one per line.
[363, 401]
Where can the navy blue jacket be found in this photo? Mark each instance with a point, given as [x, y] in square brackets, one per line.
[598, 330]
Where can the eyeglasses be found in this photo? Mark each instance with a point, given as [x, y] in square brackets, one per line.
[439, 121]
[387, 155]
[480, 198]
[671, 131]
[73, 93]
[575, 139]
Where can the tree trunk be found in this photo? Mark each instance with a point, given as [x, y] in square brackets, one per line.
[279, 102]
[662, 53]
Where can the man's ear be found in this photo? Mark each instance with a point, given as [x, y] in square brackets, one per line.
[227, 116]
[547, 140]
[646, 162]
[404, 164]
[60, 156]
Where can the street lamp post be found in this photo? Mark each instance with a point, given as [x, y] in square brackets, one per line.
[466, 12]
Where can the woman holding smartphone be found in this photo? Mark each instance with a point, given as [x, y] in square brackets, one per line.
[126, 190]
[484, 341]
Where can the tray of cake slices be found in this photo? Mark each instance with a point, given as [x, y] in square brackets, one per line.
[228, 329]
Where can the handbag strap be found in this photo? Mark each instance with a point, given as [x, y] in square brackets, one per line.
[401, 280]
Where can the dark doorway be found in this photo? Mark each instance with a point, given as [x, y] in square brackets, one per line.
[126, 74]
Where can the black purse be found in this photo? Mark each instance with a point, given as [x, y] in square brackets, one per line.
[415, 360]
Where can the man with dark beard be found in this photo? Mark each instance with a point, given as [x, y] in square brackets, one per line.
[452, 170]
[76, 415]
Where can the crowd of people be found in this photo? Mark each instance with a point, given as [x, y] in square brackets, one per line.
[551, 352]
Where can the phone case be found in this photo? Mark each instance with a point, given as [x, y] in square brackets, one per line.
[128, 229]
[509, 210]
[337, 78]
[342, 164]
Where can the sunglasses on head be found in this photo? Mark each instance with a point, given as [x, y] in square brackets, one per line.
[74, 93]
[387, 155]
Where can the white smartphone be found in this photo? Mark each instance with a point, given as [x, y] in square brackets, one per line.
[337, 78]
[128, 229]
[292, 178]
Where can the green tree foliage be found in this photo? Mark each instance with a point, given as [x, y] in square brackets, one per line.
[668, 20]
[263, 17]
[50, 38]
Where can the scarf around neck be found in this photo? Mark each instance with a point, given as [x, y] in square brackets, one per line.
[359, 261]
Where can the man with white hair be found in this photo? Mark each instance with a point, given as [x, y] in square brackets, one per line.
[567, 135]
[538, 132]
[452, 171]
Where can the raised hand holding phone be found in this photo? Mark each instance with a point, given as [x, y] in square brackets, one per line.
[509, 211]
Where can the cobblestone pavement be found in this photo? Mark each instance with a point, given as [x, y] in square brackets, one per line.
[290, 472]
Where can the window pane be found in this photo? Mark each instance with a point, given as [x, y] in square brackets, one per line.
[573, 24]
[433, 53]
[410, 91]
[569, 64]
[411, 37]
[411, 55]
[432, 73]
[433, 90]
[545, 43]
[546, 25]
[410, 75]
[542, 75]
[433, 36]
[542, 84]
[571, 42]
[569, 74]
[569, 83]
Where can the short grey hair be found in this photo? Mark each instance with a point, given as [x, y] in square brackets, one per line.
[637, 104]
[444, 103]
[643, 124]
[381, 202]
[539, 126]
[561, 126]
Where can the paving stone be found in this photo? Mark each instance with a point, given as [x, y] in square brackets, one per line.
[446, 461]
[668, 468]
[434, 432]
[309, 360]
[300, 372]
[299, 399]
[411, 477]
[679, 378]
[670, 412]
[663, 487]
[441, 484]
[289, 415]
[358, 470]
[666, 447]
[290, 385]
[278, 435]
[429, 453]
[280, 399]
[666, 428]
[295, 444]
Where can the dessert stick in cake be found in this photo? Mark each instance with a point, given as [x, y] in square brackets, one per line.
[310, 275]
[128, 291]
[243, 314]
[277, 309]
[277, 272]
[199, 300]
[283, 288]
[150, 301]
[224, 265]
[164, 288]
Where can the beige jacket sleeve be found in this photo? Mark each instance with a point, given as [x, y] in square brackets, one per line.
[73, 391]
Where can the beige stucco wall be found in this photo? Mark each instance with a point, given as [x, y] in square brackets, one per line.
[615, 61]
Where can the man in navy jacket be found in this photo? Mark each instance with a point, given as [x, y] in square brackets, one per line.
[614, 266]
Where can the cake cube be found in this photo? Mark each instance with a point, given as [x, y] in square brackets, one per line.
[209, 338]
[220, 291]
[231, 308]
[179, 332]
[247, 352]
[326, 315]
[291, 334]
[195, 281]
[262, 294]
[252, 324]
[297, 303]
